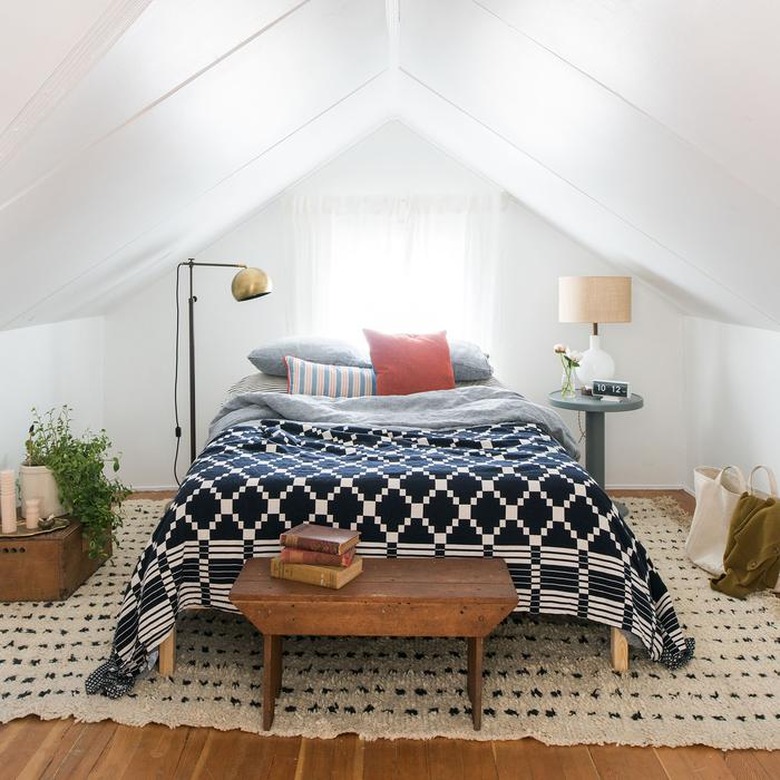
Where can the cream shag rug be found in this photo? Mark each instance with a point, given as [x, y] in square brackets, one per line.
[549, 679]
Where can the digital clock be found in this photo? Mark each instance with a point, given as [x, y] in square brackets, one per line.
[611, 389]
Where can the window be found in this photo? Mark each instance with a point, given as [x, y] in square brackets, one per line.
[415, 264]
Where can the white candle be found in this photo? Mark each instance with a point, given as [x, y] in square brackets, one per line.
[8, 513]
[32, 512]
[7, 479]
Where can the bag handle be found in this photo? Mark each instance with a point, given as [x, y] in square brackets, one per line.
[770, 476]
[741, 486]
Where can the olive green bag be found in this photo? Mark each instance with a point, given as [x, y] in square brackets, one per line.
[751, 559]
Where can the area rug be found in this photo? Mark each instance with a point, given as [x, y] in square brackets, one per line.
[549, 679]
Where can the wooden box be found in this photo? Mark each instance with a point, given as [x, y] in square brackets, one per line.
[47, 567]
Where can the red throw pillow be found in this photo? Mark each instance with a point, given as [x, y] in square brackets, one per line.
[410, 363]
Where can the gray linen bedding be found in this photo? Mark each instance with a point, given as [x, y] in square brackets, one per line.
[437, 409]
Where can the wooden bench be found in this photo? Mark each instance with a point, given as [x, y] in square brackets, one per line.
[618, 652]
[456, 597]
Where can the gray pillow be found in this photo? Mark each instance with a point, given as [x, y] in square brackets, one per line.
[469, 362]
[317, 349]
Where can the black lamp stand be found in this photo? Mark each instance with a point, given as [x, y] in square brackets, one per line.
[191, 326]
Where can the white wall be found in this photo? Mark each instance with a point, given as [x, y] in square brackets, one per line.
[44, 367]
[645, 448]
[732, 386]
[140, 349]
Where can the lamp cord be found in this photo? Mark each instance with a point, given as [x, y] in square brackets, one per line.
[177, 430]
[582, 429]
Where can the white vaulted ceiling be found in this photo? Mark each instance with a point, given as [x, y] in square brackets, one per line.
[134, 132]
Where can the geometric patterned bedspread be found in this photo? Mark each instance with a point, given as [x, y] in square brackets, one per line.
[507, 490]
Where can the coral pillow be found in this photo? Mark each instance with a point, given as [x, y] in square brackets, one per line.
[408, 363]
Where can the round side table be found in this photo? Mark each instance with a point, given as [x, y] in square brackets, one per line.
[595, 410]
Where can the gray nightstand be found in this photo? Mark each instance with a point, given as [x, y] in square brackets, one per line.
[594, 424]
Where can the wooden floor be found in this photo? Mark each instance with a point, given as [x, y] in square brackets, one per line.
[30, 748]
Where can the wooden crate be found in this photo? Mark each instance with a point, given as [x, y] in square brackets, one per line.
[47, 567]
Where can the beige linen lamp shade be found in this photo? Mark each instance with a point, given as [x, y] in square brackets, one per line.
[594, 299]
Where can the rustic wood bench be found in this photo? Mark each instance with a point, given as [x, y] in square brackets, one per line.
[166, 661]
[455, 597]
[618, 651]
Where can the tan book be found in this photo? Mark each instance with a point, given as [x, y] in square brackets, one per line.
[322, 538]
[333, 577]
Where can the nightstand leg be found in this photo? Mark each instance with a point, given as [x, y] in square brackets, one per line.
[594, 445]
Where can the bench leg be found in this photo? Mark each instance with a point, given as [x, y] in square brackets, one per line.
[272, 676]
[166, 659]
[476, 646]
[619, 651]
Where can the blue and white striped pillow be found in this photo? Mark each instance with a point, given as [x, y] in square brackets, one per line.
[306, 378]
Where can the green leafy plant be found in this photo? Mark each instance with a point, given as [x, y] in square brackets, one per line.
[79, 465]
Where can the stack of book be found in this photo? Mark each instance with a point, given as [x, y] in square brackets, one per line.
[318, 554]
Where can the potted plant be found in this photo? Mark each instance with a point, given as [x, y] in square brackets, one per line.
[78, 465]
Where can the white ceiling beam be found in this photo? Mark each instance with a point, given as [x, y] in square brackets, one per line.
[597, 144]
[703, 71]
[479, 147]
[110, 25]
[91, 211]
[166, 50]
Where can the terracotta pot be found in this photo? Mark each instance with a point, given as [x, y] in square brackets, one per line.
[38, 482]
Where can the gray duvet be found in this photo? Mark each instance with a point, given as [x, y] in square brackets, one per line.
[440, 409]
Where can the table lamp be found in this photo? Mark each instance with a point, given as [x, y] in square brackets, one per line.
[594, 299]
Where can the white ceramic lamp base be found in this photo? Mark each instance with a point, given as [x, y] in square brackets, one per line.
[595, 364]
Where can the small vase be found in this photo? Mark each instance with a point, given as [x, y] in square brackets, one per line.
[38, 482]
[568, 390]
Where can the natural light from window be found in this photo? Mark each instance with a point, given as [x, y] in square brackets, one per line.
[397, 265]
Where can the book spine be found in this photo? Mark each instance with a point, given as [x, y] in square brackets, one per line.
[317, 545]
[301, 572]
[325, 576]
[300, 555]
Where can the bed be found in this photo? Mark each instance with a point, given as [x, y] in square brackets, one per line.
[476, 470]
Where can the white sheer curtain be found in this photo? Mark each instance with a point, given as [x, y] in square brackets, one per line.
[411, 264]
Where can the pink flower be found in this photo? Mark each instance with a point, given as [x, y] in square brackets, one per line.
[569, 358]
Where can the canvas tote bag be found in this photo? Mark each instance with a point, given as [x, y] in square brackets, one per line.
[717, 492]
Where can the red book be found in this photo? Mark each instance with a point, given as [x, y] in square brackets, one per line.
[321, 538]
[301, 555]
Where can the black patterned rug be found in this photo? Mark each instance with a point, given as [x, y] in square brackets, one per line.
[549, 679]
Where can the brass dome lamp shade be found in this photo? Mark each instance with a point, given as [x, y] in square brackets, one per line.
[247, 284]
[250, 283]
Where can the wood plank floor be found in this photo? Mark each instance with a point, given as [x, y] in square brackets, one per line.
[31, 748]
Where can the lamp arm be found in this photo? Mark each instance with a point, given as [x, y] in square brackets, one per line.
[191, 263]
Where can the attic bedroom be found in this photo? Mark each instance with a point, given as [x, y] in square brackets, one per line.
[410, 167]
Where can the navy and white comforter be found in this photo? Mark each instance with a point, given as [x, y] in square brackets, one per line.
[488, 475]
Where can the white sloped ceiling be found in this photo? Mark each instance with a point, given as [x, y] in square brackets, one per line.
[645, 130]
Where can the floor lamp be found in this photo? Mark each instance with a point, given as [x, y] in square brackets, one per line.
[248, 283]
